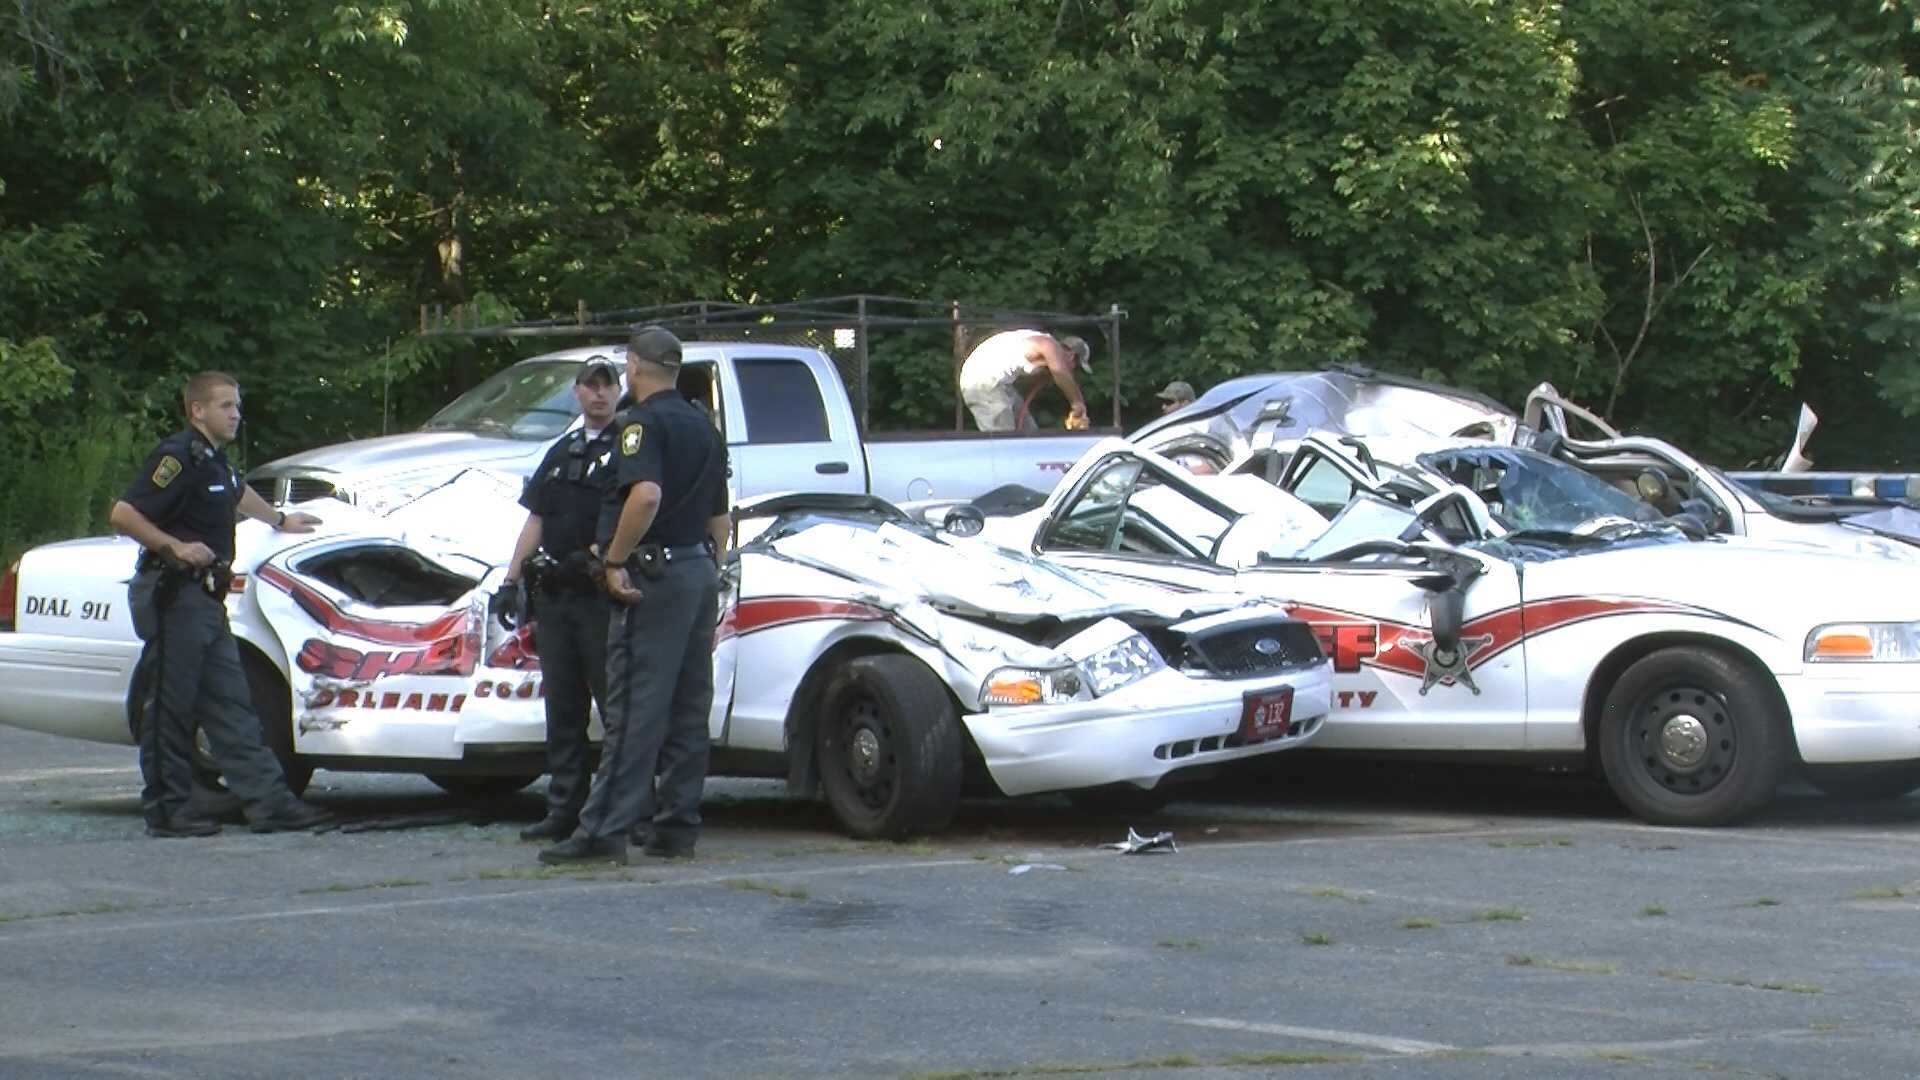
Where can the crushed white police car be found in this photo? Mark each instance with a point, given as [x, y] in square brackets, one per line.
[1566, 623]
[860, 653]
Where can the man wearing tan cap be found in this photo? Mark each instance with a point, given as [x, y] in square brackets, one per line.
[1177, 395]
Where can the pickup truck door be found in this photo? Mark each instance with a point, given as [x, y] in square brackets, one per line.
[796, 430]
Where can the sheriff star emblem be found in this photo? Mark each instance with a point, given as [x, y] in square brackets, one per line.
[630, 440]
[1448, 668]
[164, 472]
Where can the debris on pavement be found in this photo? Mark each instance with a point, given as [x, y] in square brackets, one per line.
[1136, 844]
[1027, 866]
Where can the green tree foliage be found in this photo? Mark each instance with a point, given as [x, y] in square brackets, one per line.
[1690, 213]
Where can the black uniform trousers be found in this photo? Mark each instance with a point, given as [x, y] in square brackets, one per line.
[570, 632]
[659, 692]
[197, 681]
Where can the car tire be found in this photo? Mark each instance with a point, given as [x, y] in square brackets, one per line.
[1121, 800]
[1865, 782]
[480, 788]
[1693, 736]
[273, 704]
[888, 745]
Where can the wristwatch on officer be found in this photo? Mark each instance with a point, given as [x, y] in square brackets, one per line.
[279, 521]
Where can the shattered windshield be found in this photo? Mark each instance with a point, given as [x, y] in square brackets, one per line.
[526, 401]
[1531, 493]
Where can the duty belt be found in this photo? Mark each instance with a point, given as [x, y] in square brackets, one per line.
[677, 552]
[650, 560]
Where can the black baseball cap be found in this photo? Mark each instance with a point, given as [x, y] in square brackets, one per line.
[654, 344]
[598, 364]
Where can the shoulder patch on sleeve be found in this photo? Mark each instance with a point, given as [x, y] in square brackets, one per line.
[630, 440]
[164, 472]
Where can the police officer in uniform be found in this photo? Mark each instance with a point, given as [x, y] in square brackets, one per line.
[663, 533]
[569, 608]
[181, 508]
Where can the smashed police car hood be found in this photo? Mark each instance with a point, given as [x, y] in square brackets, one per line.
[904, 563]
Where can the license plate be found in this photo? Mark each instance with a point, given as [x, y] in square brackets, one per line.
[1266, 715]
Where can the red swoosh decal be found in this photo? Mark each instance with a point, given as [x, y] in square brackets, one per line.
[767, 612]
[1503, 629]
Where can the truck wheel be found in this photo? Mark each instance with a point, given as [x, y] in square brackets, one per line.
[273, 704]
[479, 788]
[1121, 800]
[888, 744]
[1691, 736]
[1867, 781]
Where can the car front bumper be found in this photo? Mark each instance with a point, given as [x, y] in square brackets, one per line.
[1160, 724]
[1855, 712]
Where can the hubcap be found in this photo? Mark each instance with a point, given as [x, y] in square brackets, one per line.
[864, 755]
[1685, 739]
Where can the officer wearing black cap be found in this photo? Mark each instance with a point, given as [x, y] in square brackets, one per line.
[181, 508]
[663, 531]
[553, 558]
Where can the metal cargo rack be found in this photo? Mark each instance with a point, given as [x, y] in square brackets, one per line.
[838, 325]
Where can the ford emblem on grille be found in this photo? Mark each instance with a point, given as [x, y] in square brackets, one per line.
[1266, 646]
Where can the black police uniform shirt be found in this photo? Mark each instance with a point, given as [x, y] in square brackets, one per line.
[565, 491]
[188, 489]
[668, 440]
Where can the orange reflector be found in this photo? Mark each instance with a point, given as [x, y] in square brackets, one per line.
[1013, 691]
[1842, 645]
[238, 584]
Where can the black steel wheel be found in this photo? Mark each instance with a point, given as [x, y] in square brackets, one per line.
[888, 744]
[1693, 736]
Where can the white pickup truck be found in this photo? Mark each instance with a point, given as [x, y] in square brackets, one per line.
[789, 423]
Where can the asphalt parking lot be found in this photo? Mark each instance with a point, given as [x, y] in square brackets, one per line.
[1326, 920]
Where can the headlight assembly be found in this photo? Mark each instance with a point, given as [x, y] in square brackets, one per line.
[1864, 642]
[1117, 665]
[1034, 686]
[1113, 667]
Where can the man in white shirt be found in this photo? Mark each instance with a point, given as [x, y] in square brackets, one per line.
[990, 377]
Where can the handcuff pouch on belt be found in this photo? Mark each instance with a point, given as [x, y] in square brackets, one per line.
[649, 561]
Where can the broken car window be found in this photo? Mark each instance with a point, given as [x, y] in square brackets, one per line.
[1529, 491]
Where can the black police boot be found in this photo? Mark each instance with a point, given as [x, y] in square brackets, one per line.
[551, 827]
[586, 849]
[665, 844]
[302, 816]
[182, 826]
